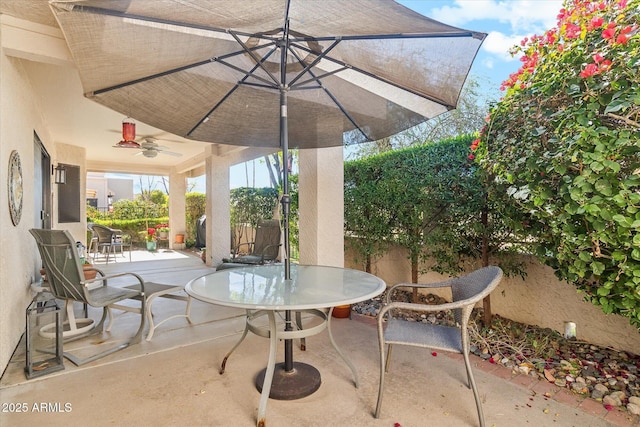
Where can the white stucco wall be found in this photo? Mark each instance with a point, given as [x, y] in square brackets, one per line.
[541, 299]
[19, 259]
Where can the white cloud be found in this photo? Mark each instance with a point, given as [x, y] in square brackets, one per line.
[507, 22]
[499, 44]
[523, 16]
[488, 63]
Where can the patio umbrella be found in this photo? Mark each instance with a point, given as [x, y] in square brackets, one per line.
[268, 73]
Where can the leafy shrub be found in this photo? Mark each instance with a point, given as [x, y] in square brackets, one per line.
[564, 145]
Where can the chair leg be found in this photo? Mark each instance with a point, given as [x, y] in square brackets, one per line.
[384, 362]
[472, 382]
[98, 328]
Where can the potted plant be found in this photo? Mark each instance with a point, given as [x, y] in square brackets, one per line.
[150, 238]
[89, 270]
[163, 231]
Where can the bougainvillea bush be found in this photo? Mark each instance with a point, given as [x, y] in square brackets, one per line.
[564, 145]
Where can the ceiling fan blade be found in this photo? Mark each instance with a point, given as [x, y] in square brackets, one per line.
[171, 153]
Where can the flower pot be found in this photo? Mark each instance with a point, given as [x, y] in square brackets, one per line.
[151, 246]
[341, 311]
[163, 234]
[179, 238]
[88, 273]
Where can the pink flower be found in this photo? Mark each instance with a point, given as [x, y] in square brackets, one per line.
[572, 31]
[551, 36]
[589, 70]
[604, 66]
[597, 58]
[610, 32]
[471, 157]
[596, 22]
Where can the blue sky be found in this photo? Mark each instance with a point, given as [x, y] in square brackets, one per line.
[506, 22]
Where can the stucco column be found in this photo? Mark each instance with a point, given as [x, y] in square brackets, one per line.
[218, 223]
[321, 205]
[177, 207]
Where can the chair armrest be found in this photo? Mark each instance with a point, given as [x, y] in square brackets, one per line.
[268, 248]
[86, 284]
[104, 278]
[430, 308]
[235, 252]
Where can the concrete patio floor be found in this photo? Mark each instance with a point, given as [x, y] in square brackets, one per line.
[173, 380]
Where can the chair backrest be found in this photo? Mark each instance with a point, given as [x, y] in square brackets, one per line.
[475, 286]
[267, 239]
[61, 263]
[104, 234]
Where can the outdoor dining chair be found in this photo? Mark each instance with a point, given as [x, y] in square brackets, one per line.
[466, 291]
[264, 248]
[66, 281]
[109, 241]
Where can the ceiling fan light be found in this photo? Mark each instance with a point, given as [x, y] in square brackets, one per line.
[150, 153]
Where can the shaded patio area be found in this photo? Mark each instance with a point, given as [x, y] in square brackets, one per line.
[174, 380]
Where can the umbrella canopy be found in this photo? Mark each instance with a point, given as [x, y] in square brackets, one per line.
[265, 72]
[215, 70]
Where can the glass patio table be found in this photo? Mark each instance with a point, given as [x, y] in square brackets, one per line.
[263, 291]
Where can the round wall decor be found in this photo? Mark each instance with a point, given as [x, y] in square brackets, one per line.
[15, 187]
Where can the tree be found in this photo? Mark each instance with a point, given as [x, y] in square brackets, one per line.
[564, 145]
[422, 198]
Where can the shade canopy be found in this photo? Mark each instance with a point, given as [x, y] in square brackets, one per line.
[210, 70]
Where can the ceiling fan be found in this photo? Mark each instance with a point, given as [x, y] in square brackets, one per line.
[150, 148]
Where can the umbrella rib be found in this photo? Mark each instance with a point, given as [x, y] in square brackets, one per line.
[257, 60]
[232, 90]
[473, 34]
[333, 98]
[118, 14]
[176, 70]
[319, 77]
[268, 83]
[373, 76]
[314, 62]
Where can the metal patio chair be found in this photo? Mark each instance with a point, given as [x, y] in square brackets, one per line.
[66, 279]
[264, 248]
[109, 241]
[466, 292]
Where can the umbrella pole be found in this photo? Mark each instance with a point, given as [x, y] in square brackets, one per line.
[286, 208]
[290, 380]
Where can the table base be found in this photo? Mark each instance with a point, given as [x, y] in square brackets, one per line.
[302, 381]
